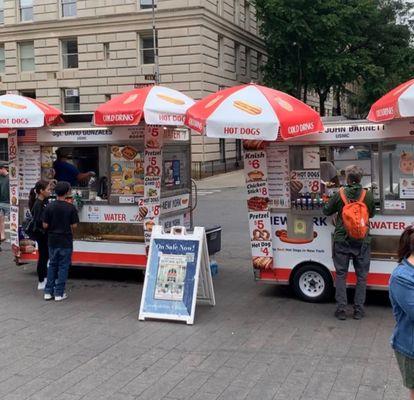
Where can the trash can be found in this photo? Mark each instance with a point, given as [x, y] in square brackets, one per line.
[213, 235]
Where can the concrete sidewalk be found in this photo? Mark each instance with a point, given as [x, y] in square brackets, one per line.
[232, 179]
[258, 343]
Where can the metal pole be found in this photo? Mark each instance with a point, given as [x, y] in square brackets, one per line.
[154, 42]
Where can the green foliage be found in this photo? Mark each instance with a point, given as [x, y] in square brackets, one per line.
[326, 44]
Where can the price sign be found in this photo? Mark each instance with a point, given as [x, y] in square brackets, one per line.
[305, 181]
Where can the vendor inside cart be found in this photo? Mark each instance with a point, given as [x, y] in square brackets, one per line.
[65, 171]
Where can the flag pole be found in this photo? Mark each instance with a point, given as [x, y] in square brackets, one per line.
[154, 42]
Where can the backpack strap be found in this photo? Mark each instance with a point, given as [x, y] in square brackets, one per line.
[363, 194]
[343, 196]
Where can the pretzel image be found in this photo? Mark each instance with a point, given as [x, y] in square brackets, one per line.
[247, 107]
[11, 104]
[170, 99]
[214, 101]
[131, 99]
[259, 234]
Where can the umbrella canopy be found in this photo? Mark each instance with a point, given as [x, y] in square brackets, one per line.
[23, 112]
[252, 112]
[398, 103]
[159, 106]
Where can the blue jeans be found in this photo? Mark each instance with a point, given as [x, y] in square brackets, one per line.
[59, 262]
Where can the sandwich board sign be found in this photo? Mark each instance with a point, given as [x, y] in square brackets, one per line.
[177, 275]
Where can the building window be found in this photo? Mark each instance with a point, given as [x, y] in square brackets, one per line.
[1, 11]
[2, 60]
[238, 150]
[147, 3]
[223, 150]
[246, 15]
[28, 93]
[220, 56]
[259, 67]
[107, 97]
[27, 60]
[70, 53]
[71, 100]
[26, 10]
[106, 51]
[237, 59]
[236, 5]
[248, 62]
[68, 8]
[147, 53]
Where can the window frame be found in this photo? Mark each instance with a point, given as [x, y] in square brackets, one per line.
[63, 44]
[64, 103]
[146, 6]
[2, 61]
[142, 37]
[21, 11]
[20, 44]
[220, 55]
[68, 2]
[237, 59]
[2, 12]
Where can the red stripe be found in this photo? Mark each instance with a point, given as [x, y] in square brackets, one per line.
[282, 275]
[121, 260]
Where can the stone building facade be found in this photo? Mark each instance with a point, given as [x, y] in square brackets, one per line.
[76, 54]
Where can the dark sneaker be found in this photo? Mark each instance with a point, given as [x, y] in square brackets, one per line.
[358, 313]
[340, 314]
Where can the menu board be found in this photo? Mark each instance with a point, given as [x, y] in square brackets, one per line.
[14, 189]
[29, 171]
[47, 158]
[406, 188]
[305, 181]
[278, 176]
[256, 175]
[127, 171]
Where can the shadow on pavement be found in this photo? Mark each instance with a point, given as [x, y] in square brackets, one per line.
[106, 274]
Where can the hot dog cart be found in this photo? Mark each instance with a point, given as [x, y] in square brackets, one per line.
[134, 169]
[288, 182]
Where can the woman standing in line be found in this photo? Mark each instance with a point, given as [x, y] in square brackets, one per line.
[402, 300]
[38, 200]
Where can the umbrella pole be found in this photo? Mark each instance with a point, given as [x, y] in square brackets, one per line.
[154, 40]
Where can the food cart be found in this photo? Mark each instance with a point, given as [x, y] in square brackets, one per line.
[288, 181]
[135, 166]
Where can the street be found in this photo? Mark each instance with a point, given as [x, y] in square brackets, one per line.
[259, 342]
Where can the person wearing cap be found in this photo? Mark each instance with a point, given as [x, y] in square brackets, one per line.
[4, 197]
[67, 172]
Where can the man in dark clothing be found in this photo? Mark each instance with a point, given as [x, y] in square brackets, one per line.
[66, 172]
[4, 197]
[346, 248]
[60, 218]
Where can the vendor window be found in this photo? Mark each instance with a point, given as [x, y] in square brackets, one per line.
[71, 100]
[68, 8]
[147, 51]
[26, 53]
[26, 10]
[147, 4]
[70, 53]
[2, 60]
[398, 171]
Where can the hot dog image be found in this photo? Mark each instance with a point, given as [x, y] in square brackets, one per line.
[170, 99]
[284, 104]
[131, 98]
[283, 236]
[262, 262]
[247, 107]
[11, 104]
[214, 101]
[143, 211]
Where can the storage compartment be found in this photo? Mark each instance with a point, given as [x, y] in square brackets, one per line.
[213, 235]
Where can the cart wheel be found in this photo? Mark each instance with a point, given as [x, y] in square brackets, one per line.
[313, 283]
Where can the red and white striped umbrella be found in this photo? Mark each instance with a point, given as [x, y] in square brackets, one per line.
[23, 112]
[398, 103]
[252, 112]
[159, 105]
